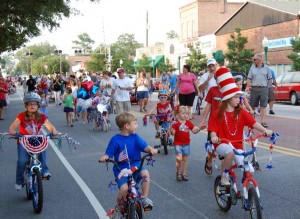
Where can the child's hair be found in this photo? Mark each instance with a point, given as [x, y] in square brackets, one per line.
[223, 106]
[124, 118]
[42, 94]
[237, 79]
[68, 90]
[37, 115]
[183, 109]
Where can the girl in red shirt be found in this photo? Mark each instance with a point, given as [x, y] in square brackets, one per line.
[181, 130]
[229, 121]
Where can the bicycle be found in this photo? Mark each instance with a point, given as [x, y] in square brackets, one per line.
[132, 208]
[99, 117]
[226, 196]
[165, 139]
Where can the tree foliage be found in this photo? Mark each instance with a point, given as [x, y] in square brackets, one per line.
[196, 59]
[172, 35]
[23, 20]
[240, 59]
[83, 43]
[165, 66]
[295, 56]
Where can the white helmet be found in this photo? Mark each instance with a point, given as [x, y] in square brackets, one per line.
[32, 97]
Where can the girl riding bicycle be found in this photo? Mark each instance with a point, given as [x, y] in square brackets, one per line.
[229, 122]
[126, 149]
[30, 123]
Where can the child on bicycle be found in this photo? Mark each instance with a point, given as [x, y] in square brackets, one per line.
[30, 123]
[163, 112]
[127, 146]
[229, 121]
[102, 98]
[181, 130]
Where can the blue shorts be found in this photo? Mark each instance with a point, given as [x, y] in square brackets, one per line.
[124, 180]
[142, 94]
[164, 124]
[183, 149]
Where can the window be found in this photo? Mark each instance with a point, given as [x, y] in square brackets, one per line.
[287, 78]
[279, 78]
[296, 78]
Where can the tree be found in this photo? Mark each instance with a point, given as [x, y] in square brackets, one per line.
[172, 35]
[98, 60]
[165, 66]
[295, 56]
[49, 64]
[240, 59]
[83, 43]
[196, 59]
[23, 20]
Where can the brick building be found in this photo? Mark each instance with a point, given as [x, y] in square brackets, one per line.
[278, 20]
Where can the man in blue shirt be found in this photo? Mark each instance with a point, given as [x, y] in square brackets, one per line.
[271, 90]
[172, 80]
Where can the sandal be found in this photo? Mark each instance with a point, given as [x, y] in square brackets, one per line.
[185, 178]
[178, 176]
[264, 125]
[207, 169]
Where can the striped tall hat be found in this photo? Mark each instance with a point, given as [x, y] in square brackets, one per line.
[227, 83]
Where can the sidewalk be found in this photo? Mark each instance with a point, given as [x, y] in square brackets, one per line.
[288, 128]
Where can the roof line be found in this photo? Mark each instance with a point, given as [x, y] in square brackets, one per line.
[244, 6]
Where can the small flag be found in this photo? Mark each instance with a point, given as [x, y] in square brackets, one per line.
[152, 118]
[123, 156]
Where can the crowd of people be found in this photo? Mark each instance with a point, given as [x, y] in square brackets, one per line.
[226, 112]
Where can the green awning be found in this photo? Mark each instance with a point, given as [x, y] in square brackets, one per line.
[158, 59]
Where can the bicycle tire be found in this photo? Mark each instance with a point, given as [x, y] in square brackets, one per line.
[255, 207]
[135, 211]
[104, 125]
[223, 201]
[164, 142]
[27, 185]
[37, 191]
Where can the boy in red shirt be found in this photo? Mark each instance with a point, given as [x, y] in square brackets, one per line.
[181, 131]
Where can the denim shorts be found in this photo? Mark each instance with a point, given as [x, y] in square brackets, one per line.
[165, 124]
[124, 180]
[142, 94]
[183, 149]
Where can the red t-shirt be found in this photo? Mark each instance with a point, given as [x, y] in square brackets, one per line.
[163, 109]
[3, 91]
[30, 127]
[214, 97]
[182, 132]
[235, 127]
[44, 84]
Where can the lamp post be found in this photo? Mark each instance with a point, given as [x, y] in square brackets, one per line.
[30, 54]
[153, 62]
[179, 57]
[121, 63]
[59, 52]
[265, 44]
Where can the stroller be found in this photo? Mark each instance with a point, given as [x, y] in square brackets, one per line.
[133, 96]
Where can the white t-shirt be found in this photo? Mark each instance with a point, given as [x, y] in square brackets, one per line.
[104, 82]
[122, 95]
[74, 91]
[212, 82]
[142, 87]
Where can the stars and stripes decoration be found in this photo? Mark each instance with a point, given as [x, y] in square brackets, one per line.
[145, 121]
[150, 161]
[123, 156]
[34, 144]
[273, 140]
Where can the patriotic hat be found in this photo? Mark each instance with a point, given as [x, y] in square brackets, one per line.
[227, 83]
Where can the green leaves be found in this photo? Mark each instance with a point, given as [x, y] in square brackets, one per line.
[295, 56]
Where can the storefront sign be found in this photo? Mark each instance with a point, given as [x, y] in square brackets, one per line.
[277, 43]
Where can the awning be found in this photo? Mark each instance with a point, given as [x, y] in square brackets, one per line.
[158, 59]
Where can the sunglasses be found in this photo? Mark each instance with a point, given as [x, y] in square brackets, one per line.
[163, 97]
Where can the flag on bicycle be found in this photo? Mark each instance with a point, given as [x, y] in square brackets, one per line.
[34, 144]
[123, 156]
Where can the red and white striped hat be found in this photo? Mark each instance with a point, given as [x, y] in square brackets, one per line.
[227, 83]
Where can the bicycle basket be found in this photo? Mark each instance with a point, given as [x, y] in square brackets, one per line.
[34, 143]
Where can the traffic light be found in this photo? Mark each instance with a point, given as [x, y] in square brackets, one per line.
[78, 51]
[57, 51]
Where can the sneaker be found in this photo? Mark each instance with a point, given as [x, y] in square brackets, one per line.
[147, 203]
[170, 141]
[46, 175]
[18, 187]
[225, 180]
[264, 124]
[157, 134]
[258, 110]
[271, 112]
[141, 110]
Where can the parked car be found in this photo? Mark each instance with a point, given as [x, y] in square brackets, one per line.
[156, 82]
[288, 87]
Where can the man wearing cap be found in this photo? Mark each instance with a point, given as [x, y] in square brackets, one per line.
[121, 87]
[259, 79]
[207, 80]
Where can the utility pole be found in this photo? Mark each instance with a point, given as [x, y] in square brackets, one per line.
[147, 29]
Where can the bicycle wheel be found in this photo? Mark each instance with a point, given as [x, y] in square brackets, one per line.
[222, 195]
[104, 125]
[27, 184]
[164, 142]
[135, 211]
[37, 191]
[255, 208]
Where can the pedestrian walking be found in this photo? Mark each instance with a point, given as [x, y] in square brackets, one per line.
[207, 80]
[142, 84]
[3, 96]
[271, 94]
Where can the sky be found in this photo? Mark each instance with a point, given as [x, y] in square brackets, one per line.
[106, 21]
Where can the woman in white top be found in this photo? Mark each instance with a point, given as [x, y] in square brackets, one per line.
[106, 82]
[74, 88]
[142, 84]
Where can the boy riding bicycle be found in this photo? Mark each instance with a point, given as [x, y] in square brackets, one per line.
[163, 111]
[127, 146]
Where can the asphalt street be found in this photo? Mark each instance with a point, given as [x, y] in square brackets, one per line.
[79, 187]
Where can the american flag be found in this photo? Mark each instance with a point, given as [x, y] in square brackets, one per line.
[30, 129]
[34, 144]
[152, 118]
[123, 156]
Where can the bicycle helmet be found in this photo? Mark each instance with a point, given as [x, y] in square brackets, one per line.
[32, 97]
[162, 93]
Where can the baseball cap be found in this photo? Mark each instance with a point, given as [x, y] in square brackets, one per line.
[257, 56]
[120, 70]
[211, 62]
